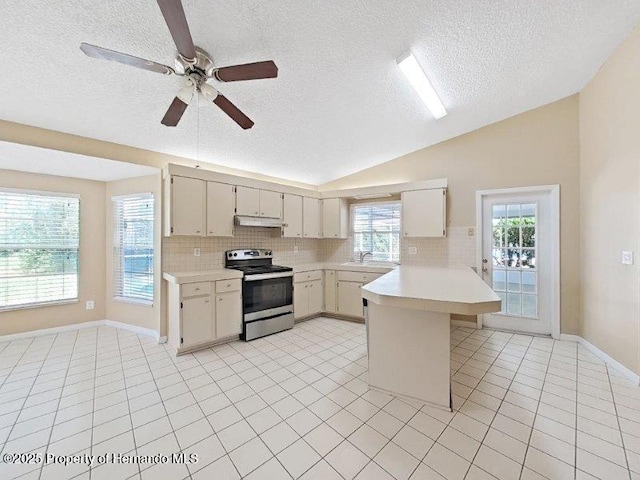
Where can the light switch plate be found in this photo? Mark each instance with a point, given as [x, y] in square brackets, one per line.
[196, 252]
[413, 250]
[90, 305]
[627, 258]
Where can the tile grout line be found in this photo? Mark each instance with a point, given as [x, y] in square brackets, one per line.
[535, 415]
[615, 407]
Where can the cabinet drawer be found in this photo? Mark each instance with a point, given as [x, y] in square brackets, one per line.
[307, 276]
[357, 277]
[196, 289]
[228, 285]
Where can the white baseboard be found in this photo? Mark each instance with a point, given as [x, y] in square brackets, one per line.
[52, 331]
[133, 328]
[79, 326]
[626, 372]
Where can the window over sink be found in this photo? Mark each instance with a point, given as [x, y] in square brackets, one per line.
[375, 229]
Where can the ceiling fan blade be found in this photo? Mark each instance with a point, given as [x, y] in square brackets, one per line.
[106, 54]
[234, 112]
[174, 16]
[248, 71]
[174, 113]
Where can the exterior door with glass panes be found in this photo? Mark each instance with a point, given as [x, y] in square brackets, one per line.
[515, 260]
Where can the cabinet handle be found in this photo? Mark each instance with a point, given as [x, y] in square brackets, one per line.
[255, 213]
[206, 301]
[335, 234]
[220, 299]
[228, 285]
[197, 289]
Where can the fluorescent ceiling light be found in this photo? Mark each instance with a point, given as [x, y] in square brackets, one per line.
[418, 79]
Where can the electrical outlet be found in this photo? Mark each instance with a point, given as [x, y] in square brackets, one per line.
[90, 305]
[295, 249]
[627, 258]
[413, 250]
[471, 232]
[196, 252]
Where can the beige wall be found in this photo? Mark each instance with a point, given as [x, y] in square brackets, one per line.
[140, 315]
[65, 142]
[610, 208]
[92, 245]
[538, 147]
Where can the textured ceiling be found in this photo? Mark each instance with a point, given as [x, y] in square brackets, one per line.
[340, 103]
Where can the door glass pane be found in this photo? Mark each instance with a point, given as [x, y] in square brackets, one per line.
[513, 236]
[514, 277]
[513, 304]
[530, 305]
[499, 277]
[499, 258]
[528, 258]
[513, 281]
[529, 282]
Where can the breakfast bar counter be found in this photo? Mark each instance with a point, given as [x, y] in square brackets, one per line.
[408, 328]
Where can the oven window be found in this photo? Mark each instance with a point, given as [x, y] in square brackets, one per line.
[265, 294]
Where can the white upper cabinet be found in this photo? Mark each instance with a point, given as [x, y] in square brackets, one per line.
[424, 213]
[221, 203]
[258, 203]
[186, 206]
[270, 204]
[335, 218]
[292, 216]
[311, 227]
[248, 201]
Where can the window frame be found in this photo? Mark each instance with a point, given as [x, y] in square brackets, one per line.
[118, 251]
[355, 205]
[65, 301]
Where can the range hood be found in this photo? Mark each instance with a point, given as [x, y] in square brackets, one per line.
[247, 221]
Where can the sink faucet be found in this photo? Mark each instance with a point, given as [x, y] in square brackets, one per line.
[363, 255]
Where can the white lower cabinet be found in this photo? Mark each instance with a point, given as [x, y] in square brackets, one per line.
[308, 297]
[201, 313]
[350, 299]
[228, 314]
[330, 291]
[196, 324]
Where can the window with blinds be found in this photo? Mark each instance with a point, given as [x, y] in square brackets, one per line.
[39, 244]
[133, 248]
[375, 228]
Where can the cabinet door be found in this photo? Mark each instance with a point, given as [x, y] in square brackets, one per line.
[334, 218]
[301, 299]
[315, 296]
[187, 206]
[270, 204]
[330, 291]
[292, 219]
[197, 321]
[350, 299]
[310, 217]
[228, 314]
[247, 201]
[423, 213]
[220, 209]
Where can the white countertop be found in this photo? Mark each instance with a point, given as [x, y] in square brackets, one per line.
[349, 267]
[436, 289]
[201, 276]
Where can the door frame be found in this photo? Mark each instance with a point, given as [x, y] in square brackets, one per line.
[554, 197]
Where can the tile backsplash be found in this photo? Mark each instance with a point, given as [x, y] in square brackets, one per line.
[177, 252]
[456, 250]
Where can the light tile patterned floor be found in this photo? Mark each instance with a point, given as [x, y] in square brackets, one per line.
[297, 405]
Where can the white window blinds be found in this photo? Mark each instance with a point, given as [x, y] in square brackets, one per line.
[133, 248]
[376, 229]
[39, 244]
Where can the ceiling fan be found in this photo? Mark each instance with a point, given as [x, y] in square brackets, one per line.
[193, 63]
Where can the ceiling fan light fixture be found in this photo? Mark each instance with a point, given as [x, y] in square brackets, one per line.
[185, 94]
[421, 84]
[208, 92]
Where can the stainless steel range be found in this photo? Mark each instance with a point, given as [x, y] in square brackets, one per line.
[267, 292]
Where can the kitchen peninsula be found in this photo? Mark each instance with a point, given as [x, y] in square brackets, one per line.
[408, 312]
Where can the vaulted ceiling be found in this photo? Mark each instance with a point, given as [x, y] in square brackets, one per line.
[340, 104]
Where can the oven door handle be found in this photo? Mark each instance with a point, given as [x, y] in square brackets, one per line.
[267, 276]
